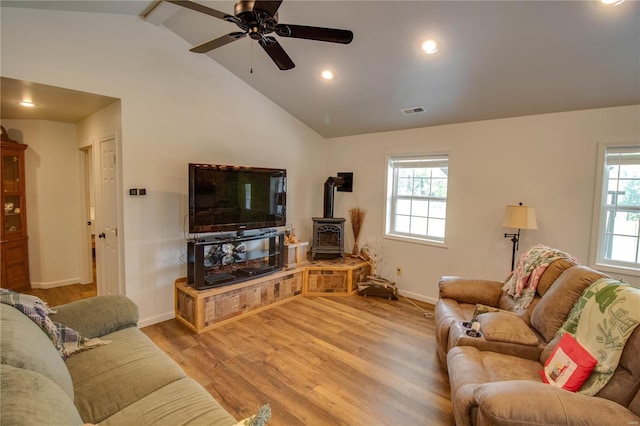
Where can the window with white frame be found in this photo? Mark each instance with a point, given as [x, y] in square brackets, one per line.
[417, 197]
[617, 211]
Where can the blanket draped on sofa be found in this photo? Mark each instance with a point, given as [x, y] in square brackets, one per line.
[66, 340]
[601, 321]
[523, 280]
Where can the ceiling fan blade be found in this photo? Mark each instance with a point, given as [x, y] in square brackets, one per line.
[315, 33]
[202, 9]
[276, 53]
[218, 42]
[267, 6]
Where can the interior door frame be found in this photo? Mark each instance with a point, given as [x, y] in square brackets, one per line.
[85, 159]
[99, 225]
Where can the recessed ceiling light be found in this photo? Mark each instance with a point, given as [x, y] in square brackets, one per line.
[327, 75]
[27, 103]
[612, 2]
[430, 46]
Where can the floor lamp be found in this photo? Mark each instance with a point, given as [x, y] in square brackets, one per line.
[518, 217]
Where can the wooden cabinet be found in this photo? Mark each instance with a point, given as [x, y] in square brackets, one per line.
[207, 309]
[13, 225]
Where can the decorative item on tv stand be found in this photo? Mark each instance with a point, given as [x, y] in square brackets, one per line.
[221, 260]
[289, 235]
[295, 251]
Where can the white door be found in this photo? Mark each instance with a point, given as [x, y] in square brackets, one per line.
[108, 282]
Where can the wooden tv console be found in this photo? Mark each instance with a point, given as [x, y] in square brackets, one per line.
[202, 310]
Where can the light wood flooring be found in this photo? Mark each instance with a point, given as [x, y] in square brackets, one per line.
[68, 293]
[65, 294]
[316, 361]
[320, 361]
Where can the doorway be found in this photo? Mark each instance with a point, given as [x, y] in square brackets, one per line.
[95, 117]
[100, 239]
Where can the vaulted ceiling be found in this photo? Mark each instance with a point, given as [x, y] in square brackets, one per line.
[495, 59]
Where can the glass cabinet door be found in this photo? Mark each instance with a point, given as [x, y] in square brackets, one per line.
[12, 212]
[12, 195]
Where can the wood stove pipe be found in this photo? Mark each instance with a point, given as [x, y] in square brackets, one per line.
[329, 186]
[343, 182]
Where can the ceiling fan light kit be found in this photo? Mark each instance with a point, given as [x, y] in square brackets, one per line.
[259, 18]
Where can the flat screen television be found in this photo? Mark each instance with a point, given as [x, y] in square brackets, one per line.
[231, 198]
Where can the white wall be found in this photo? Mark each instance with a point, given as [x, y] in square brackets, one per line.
[177, 108]
[53, 203]
[103, 124]
[545, 161]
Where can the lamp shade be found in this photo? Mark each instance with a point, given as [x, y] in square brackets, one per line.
[520, 217]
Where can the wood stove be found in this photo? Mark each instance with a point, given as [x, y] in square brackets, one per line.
[328, 237]
[328, 231]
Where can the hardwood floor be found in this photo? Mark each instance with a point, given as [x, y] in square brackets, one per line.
[61, 295]
[320, 361]
[68, 293]
[316, 361]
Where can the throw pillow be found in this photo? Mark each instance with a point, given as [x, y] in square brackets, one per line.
[506, 327]
[569, 365]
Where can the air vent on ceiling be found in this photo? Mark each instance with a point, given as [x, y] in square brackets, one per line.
[413, 110]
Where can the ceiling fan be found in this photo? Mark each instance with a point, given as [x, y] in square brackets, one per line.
[259, 18]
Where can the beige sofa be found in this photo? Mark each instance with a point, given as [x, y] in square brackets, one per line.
[129, 381]
[495, 378]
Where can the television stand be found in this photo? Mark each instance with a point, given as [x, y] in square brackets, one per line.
[203, 310]
[215, 280]
[222, 260]
[252, 272]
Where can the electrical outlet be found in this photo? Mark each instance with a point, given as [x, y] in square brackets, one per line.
[398, 271]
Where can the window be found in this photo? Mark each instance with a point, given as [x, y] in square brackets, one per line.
[417, 197]
[617, 209]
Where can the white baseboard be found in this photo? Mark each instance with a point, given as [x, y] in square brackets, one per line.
[156, 319]
[54, 284]
[417, 296]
